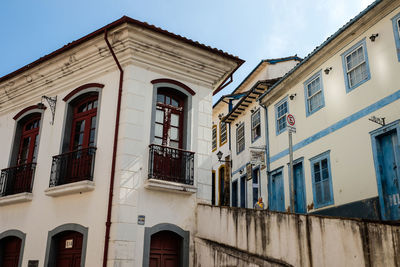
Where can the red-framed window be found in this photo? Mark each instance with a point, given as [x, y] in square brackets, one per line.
[84, 123]
[169, 119]
[28, 145]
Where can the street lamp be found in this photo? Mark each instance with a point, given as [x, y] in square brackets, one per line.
[219, 155]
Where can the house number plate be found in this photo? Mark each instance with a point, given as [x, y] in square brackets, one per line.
[69, 243]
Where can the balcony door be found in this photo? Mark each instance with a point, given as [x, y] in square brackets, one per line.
[169, 119]
[20, 179]
[29, 140]
[82, 139]
[169, 160]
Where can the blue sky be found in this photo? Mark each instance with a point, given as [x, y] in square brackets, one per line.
[252, 29]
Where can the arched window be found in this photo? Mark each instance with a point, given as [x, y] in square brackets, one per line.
[18, 177]
[76, 162]
[28, 144]
[170, 156]
[169, 118]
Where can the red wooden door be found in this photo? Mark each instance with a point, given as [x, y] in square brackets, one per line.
[29, 141]
[69, 249]
[82, 137]
[165, 249]
[11, 247]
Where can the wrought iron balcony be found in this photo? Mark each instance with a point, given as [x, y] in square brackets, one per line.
[18, 179]
[171, 164]
[73, 167]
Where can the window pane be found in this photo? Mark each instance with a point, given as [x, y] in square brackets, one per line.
[82, 108]
[174, 120]
[158, 130]
[93, 124]
[160, 98]
[167, 100]
[174, 102]
[327, 192]
[157, 141]
[174, 133]
[315, 101]
[159, 116]
[317, 172]
[24, 151]
[318, 193]
[95, 104]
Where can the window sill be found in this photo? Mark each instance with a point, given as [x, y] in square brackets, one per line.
[17, 198]
[72, 188]
[155, 184]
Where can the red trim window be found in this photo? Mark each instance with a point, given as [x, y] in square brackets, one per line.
[28, 145]
[169, 119]
[84, 123]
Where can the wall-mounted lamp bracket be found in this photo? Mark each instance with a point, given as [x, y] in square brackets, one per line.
[52, 101]
[327, 70]
[373, 37]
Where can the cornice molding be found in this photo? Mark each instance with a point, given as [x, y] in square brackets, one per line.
[131, 45]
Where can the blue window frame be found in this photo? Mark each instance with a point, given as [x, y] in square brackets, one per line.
[396, 31]
[240, 142]
[255, 125]
[355, 65]
[322, 180]
[314, 94]
[281, 110]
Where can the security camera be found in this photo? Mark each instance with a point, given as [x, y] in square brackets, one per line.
[292, 96]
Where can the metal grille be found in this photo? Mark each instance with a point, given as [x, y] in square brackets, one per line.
[73, 167]
[171, 164]
[17, 179]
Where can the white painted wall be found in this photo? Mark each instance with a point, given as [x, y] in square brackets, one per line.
[92, 63]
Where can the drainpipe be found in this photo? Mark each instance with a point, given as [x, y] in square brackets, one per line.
[267, 146]
[114, 155]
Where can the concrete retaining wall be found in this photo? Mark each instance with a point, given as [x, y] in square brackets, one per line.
[244, 237]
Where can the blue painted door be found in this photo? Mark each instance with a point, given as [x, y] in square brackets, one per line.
[388, 158]
[299, 190]
[277, 194]
[235, 193]
[243, 191]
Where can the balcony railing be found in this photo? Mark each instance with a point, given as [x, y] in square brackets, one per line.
[18, 179]
[171, 164]
[73, 167]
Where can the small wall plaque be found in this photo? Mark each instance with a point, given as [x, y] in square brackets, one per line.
[69, 243]
[32, 263]
[141, 219]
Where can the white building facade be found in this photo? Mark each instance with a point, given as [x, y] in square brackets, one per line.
[108, 168]
[244, 120]
[345, 100]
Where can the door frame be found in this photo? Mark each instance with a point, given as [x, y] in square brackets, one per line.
[296, 161]
[149, 231]
[21, 236]
[51, 249]
[375, 134]
[243, 177]
[280, 169]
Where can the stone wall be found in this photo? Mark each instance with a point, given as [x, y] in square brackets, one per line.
[244, 237]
